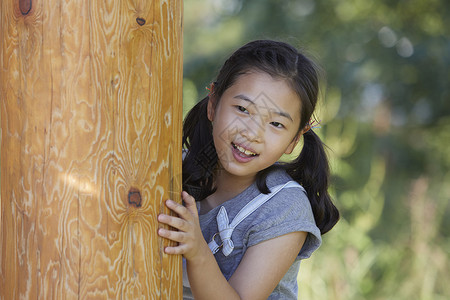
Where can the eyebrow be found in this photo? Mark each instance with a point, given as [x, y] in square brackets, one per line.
[280, 113]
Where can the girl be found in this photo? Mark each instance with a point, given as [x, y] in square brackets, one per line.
[255, 218]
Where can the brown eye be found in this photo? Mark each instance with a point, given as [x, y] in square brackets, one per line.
[277, 124]
[242, 109]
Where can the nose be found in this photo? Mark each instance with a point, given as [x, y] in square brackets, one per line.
[253, 130]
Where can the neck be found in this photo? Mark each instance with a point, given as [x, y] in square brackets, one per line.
[231, 185]
[228, 186]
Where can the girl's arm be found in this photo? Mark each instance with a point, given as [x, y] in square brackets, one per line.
[264, 265]
[261, 269]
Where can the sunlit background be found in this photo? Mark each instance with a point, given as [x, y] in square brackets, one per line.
[385, 117]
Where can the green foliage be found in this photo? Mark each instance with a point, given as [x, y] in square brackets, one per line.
[385, 117]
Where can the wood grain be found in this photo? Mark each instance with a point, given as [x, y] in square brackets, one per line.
[90, 147]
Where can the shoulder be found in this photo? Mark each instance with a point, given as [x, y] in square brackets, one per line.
[276, 176]
[291, 190]
[289, 205]
[287, 211]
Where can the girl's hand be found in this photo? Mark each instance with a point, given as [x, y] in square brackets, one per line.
[189, 235]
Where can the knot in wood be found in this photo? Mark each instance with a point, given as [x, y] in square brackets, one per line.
[25, 6]
[140, 21]
[134, 197]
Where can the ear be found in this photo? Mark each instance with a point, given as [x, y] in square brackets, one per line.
[211, 108]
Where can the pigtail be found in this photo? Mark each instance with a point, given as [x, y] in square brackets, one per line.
[312, 171]
[201, 156]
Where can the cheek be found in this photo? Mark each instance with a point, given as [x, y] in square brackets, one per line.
[224, 127]
[221, 135]
[280, 142]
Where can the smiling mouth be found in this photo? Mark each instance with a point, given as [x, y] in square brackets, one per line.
[243, 150]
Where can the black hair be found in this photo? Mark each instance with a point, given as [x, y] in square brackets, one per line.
[310, 168]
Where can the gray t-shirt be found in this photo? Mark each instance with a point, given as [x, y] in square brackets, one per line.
[288, 211]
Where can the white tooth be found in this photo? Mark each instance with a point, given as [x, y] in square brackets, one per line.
[245, 151]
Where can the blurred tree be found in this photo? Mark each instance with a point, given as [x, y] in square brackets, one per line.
[386, 119]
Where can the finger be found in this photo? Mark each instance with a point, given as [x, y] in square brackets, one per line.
[175, 236]
[190, 202]
[175, 250]
[178, 208]
[175, 222]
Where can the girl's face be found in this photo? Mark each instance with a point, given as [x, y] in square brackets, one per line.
[255, 122]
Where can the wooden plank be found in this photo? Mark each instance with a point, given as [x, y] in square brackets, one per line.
[90, 147]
